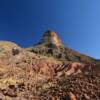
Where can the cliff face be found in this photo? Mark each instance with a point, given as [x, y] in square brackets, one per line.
[47, 71]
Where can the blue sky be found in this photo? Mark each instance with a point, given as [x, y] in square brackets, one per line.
[77, 22]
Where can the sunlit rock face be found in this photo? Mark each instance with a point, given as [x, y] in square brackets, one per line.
[51, 37]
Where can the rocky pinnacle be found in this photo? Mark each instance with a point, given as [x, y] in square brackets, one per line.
[51, 37]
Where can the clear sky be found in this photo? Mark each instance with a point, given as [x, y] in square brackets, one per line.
[77, 22]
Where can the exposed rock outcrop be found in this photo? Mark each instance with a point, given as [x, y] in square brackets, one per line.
[51, 37]
[51, 46]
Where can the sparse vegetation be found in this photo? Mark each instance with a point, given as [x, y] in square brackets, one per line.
[47, 72]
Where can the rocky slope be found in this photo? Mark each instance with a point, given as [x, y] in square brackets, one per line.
[47, 71]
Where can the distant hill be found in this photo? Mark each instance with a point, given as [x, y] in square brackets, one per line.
[51, 45]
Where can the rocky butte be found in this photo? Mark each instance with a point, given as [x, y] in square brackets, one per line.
[51, 45]
[47, 71]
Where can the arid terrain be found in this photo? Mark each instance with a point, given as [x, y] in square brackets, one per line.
[47, 71]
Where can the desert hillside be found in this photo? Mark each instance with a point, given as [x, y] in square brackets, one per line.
[47, 71]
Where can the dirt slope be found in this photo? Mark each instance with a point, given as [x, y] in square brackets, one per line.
[47, 71]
